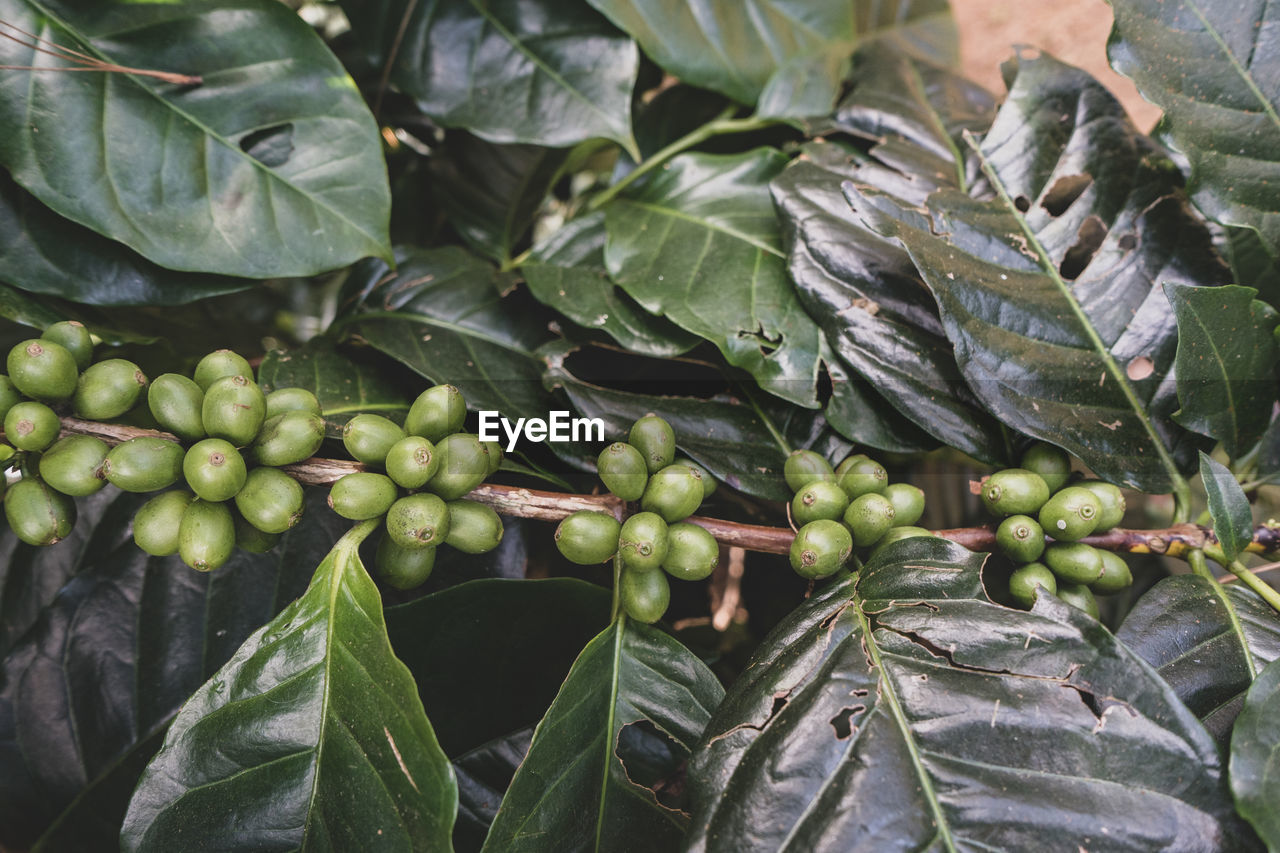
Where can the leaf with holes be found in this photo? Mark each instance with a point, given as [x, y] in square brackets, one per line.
[1206, 644]
[1211, 67]
[699, 243]
[270, 166]
[1050, 290]
[1230, 509]
[1255, 753]
[584, 785]
[538, 71]
[902, 708]
[312, 737]
[1225, 362]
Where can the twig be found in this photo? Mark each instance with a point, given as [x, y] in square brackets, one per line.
[83, 61]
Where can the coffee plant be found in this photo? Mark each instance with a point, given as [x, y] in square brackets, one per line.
[634, 425]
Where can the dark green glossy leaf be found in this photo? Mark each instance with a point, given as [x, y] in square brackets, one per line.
[860, 412]
[1232, 515]
[311, 737]
[109, 650]
[902, 709]
[539, 71]
[1255, 753]
[1049, 291]
[489, 655]
[41, 252]
[1205, 647]
[484, 774]
[1212, 68]
[1225, 362]
[575, 790]
[1251, 264]
[266, 168]
[699, 243]
[567, 272]
[490, 193]
[452, 317]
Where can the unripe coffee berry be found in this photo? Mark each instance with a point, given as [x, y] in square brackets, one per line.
[1025, 580]
[234, 409]
[412, 462]
[864, 477]
[72, 336]
[43, 370]
[108, 389]
[288, 438]
[270, 500]
[819, 499]
[655, 440]
[1051, 463]
[1115, 575]
[1079, 596]
[644, 596]
[1021, 538]
[908, 503]
[418, 521]
[1070, 514]
[464, 464]
[674, 492]
[206, 535]
[820, 549]
[403, 568]
[37, 514]
[220, 364]
[804, 467]
[623, 470]
[144, 464]
[214, 469]
[369, 438]
[869, 517]
[157, 522]
[474, 528]
[73, 465]
[1014, 491]
[362, 495]
[643, 542]
[1074, 562]
[692, 552]
[292, 400]
[176, 403]
[439, 411]
[31, 426]
[588, 537]
[1111, 501]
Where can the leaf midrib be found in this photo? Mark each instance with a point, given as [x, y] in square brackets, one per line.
[661, 210]
[1208, 337]
[1240, 70]
[619, 628]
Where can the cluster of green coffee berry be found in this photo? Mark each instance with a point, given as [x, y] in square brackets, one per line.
[657, 541]
[1034, 500]
[851, 506]
[430, 464]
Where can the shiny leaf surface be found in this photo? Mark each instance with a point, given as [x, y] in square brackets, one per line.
[270, 166]
[1255, 754]
[1228, 506]
[484, 774]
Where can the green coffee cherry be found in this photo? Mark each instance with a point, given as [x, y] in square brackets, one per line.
[1026, 579]
[37, 514]
[674, 492]
[43, 370]
[403, 568]
[1111, 500]
[1014, 491]
[1074, 562]
[655, 440]
[292, 400]
[587, 537]
[220, 364]
[804, 467]
[10, 396]
[819, 499]
[369, 438]
[74, 338]
[494, 450]
[1071, 514]
[439, 411]
[288, 438]
[1051, 463]
[848, 462]
[464, 463]
[1115, 575]
[1079, 596]
[869, 517]
[144, 464]
[908, 503]
[31, 426]
[708, 481]
[821, 548]
[108, 389]
[73, 465]
[214, 469]
[362, 495]
[250, 538]
[270, 500]
[897, 534]
[692, 552]
[206, 535]
[412, 461]
[864, 477]
[623, 471]
[234, 409]
[1020, 538]
[643, 542]
[156, 523]
[474, 528]
[176, 403]
[645, 596]
[418, 521]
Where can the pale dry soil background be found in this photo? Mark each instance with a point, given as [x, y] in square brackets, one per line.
[1074, 31]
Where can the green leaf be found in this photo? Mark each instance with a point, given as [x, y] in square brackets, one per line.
[1251, 264]
[268, 167]
[451, 317]
[567, 272]
[1255, 754]
[1208, 649]
[1232, 515]
[902, 709]
[1225, 362]
[41, 252]
[698, 242]
[484, 774]
[579, 788]
[1049, 291]
[103, 645]
[312, 736]
[1212, 68]
[544, 72]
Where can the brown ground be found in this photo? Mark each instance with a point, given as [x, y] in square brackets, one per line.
[1074, 31]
